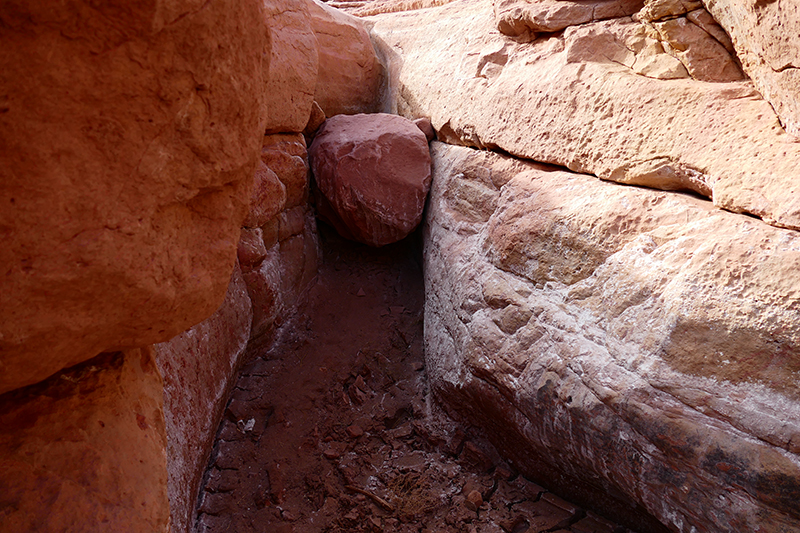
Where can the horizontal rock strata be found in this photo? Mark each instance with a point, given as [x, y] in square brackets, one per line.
[640, 344]
[592, 99]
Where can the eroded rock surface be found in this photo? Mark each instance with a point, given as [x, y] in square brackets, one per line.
[350, 76]
[199, 366]
[528, 17]
[601, 98]
[128, 138]
[764, 33]
[641, 343]
[106, 470]
[365, 8]
[353, 445]
[279, 253]
[293, 65]
[373, 174]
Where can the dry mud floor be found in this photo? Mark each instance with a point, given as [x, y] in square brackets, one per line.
[330, 429]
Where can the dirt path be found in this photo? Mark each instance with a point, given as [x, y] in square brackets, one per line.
[329, 429]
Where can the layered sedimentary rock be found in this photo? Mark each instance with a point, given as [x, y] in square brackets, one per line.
[689, 33]
[638, 345]
[350, 76]
[764, 34]
[128, 138]
[602, 98]
[279, 251]
[84, 449]
[198, 367]
[373, 173]
[293, 66]
[365, 8]
[528, 17]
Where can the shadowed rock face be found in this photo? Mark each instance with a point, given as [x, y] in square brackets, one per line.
[129, 134]
[640, 343]
[350, 76]
[197, 366]
[601, 98]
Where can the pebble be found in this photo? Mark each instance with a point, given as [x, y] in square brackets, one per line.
[355, 431]
[474, 500]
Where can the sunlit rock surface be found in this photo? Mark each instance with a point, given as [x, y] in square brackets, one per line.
[641, 344]
[128, 139]
[600, 98]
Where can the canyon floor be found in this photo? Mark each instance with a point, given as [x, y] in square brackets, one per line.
[330, 428]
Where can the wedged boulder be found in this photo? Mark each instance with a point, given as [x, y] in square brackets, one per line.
[639, 347]
[199, 368]
[373, 173]
[764, 34]
[350, 76]
[128, 141]
[84, 450]
[583, 99]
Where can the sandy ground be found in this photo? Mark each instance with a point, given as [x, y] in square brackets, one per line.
[330, 428]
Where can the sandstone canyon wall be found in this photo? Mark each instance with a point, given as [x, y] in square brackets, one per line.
[133, 159]
[638, 344]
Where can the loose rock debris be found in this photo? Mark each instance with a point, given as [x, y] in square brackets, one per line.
[330, 429]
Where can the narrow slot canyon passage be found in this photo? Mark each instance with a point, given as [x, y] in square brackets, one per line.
[330, 428]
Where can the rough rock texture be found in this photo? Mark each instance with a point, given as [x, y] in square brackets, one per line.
[640, 343]
[268, 198]
[279, 255]
[764, 33]
[519, 17]
[314, 122]
[293, 65]
[365, 8]
[705, 57]
[665, 9]
[128, 139]
[373, 173]
[287, 157]
[277, 276]
[318, 54]
[199, 366]
[583, 99]
[106, 471]
[294, 444]
[350, 76]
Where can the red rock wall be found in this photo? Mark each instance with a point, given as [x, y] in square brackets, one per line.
[197, 366]
[129, 139]
[84, 449]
